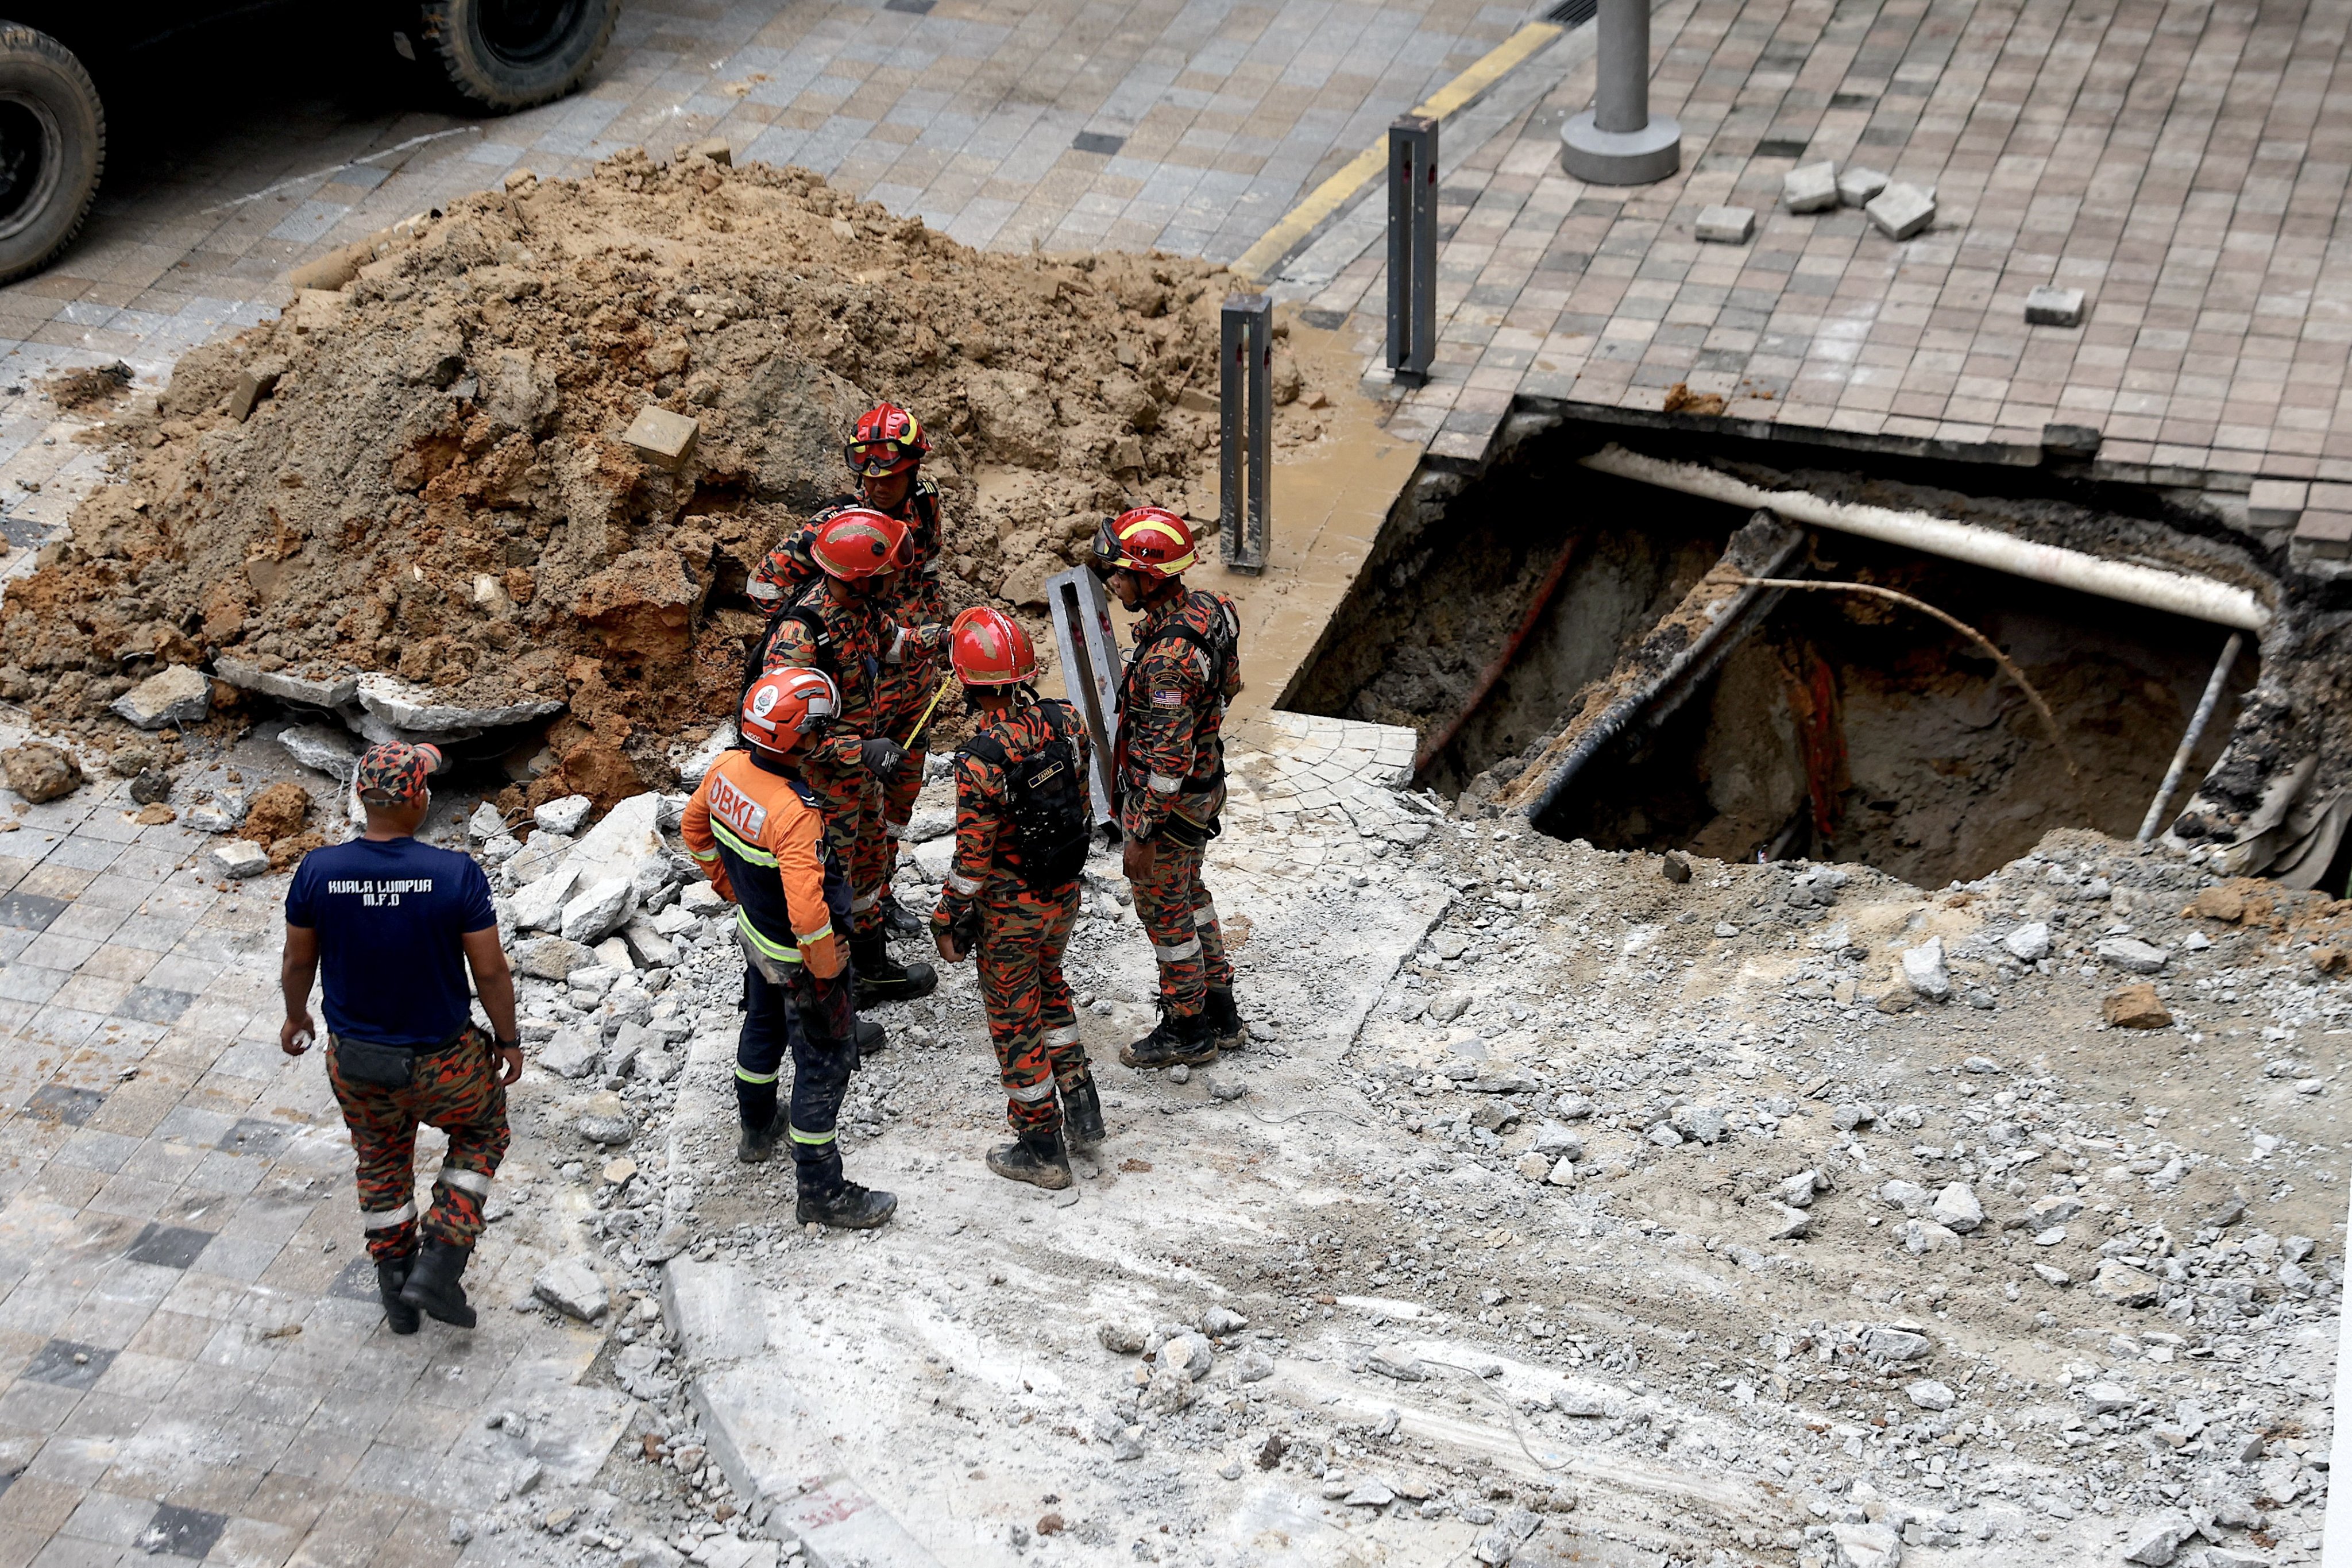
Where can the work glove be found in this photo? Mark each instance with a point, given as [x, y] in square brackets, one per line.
[932, 636]
[881, 754]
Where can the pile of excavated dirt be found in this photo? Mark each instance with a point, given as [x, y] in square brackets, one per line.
[425, 473]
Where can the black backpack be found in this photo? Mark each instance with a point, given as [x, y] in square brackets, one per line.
[1053, 816]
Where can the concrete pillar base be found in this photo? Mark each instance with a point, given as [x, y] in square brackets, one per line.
[1621, 157]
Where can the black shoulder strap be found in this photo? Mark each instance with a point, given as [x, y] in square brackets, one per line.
[988, 749]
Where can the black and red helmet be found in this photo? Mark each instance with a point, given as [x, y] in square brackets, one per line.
[887, 439]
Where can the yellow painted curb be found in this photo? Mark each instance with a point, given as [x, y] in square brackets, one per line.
[1369, 164]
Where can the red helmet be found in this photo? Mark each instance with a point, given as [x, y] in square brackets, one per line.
[787, 708]
[858, 542]
[1149, 540]
[987, 648]
[887, 439]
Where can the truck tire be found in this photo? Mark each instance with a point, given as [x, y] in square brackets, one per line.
[505, 55]
[52, 148]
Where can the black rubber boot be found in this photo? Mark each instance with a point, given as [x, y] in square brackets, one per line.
[432, 1285]
[757, 1146]
[1082, 1121]
[388, 1277]
[1225, 1019]
[1177, 1042]
[882, 978]
[848, 1207]
[1036, 1158]
[871, 1038]
[899, 921]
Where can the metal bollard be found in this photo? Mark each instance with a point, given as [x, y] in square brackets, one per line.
[1413, 248]
[1245, 431]
[1617, 142]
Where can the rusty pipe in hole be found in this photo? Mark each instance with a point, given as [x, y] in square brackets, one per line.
[1489, 678]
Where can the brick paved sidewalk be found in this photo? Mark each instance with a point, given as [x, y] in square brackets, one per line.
[1004, 122]
[193, 1361]
[2185, 166]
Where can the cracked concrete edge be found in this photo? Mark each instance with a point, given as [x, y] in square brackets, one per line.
[763, 1436]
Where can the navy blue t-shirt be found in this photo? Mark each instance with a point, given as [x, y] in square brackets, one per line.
[389, 914]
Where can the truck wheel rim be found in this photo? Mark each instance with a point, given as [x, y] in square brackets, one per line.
[31, 161]
[528, 32]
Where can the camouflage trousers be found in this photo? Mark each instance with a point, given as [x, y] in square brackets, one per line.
[851, 799]
[1031, 1019]
[901, 702]
[456, 1090]
[1179, 915]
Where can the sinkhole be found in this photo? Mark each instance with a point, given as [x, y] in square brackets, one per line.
[1818, 723]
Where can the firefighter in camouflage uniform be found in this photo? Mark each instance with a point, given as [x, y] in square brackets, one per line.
[1170, 768]
[393, 925]
[1023, 819]
[837, 624]
[885, 453]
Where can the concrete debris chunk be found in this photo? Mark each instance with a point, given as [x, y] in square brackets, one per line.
[237, 858]
[597, 913]
[1799, 1191]
[1121, 1339]
[2057, 1208]
[1665, 1136]
[1887, 1342]
[1811, 187]
[486, 824]
[1169, 1391]
[1554, 1140]
[566, 815]
[661, 437]
[1188, 1353]
[2155, 1541]
[1725, 226]
[2130, 954]
[1398, 1363]
[309, 686]
[2125, 1286]
[2050, 306]
[539, 905]
[1928, 1394]
[1856, 185]
[176, 694]
[1903, 1194]
[2052, 1275]
[609, 1131]
[1957, 1208]
[1792, 1223]
[1866, 1546]
[550, 958]
[1220, 1322]
[572, 1053]
[1369, 1494]
[1924, 971]
[1901, 210]
[571, 1286]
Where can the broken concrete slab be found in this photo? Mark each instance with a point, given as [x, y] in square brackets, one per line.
[420, 710]
[598, 912]
[311, 686]
[565, 815]
[237, 858]
[323, 749]
[572, 1285]
[2129, 954]
[662, 438]
[539, 904]
[176, 694]
[572, 1053]
[772, 1447]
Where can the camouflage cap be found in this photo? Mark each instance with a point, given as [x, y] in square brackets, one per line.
[393, 773]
